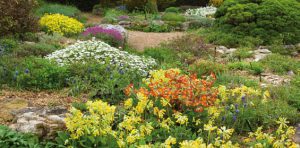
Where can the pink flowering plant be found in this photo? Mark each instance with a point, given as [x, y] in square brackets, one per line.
[109, 35]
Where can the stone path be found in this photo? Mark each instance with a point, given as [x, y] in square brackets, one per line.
[141, 40]
[297, 136]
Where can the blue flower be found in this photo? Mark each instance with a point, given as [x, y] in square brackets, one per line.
[236, 106]
[223, 118]
[237, 111]
[26, 71]
[234, 118]
[244, 99]
[16, 72]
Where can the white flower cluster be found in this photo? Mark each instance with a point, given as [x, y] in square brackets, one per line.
[202, 11]
[84, 51]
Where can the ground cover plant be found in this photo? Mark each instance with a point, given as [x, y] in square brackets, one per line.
[149, 74]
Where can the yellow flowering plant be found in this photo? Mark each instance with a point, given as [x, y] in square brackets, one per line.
[63, 25]
[145, 121]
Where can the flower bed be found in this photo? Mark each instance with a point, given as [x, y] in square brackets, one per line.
[84, 51]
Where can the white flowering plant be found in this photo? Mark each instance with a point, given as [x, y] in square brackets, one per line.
[202, 11]
[92, 50]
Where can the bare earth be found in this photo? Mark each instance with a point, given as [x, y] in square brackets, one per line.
[142, 40]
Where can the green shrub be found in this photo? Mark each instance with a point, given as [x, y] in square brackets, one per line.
[280, 64]
[161, 54]
[34, 49]
[36, 73]
[173, 17]
[231, 80]
[203, 67]
[8, 44]
[268, 20]
[13, 139]
[101, 81]
[57, 8]
[172, 10]
[30, 36]
[16, 17]
[220, 37]
[243, 53]
[196, 23]
[112, 15]
[134, 4]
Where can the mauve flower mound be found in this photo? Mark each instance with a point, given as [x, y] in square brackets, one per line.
[102, 30]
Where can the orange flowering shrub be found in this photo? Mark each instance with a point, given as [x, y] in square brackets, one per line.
[178, 89]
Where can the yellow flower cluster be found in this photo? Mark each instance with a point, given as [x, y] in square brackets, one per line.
[282, 138]
[144, 117]
[97, 122]
[240, 92]
[63, 25]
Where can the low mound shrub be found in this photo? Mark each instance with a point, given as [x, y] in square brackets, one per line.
[173, 17]
[269, 20]
[85, 51]
[63, 25]
[111, 36]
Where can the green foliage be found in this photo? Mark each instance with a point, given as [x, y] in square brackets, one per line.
[268, 20]
[173, 17]
[219, 37]
[204, 67]
[13, 139]
[280, 64]
[8, 43]
[198, 22]
[37, 73]
[231, 80]
[111, 15]
[70, 11]
[242, 53]
[16, 17]
[86, 141]
[34, 49]
[165, 56]
[101, 81]
[250, 117]
[172, 10]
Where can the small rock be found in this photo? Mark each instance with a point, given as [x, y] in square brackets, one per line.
[55, 118]
[291, 73]
[266, 51]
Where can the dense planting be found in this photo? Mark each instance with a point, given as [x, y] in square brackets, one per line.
[149, 74]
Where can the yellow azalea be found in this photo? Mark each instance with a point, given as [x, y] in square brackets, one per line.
[214, 112]
[223, 93]
[282, 122]
[166, 123]
[63, 25]
[97, 122]
[143, 101]
[133, 136]
[159, 113]
[266, 96]
[198, 143]
[146, 129]
[197, 122]
[225, 133]
[129, 122]
[121, 143]
[181, 119]
[170, 141]
[128, 103]
[144, 146]
[209, 127]
[164, 102]
[258, 145]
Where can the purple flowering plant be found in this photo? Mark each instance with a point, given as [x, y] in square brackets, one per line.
[98, 30]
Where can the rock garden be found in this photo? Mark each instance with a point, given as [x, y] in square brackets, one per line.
[149, 73]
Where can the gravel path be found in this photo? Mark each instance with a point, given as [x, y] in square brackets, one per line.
[141, 40]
